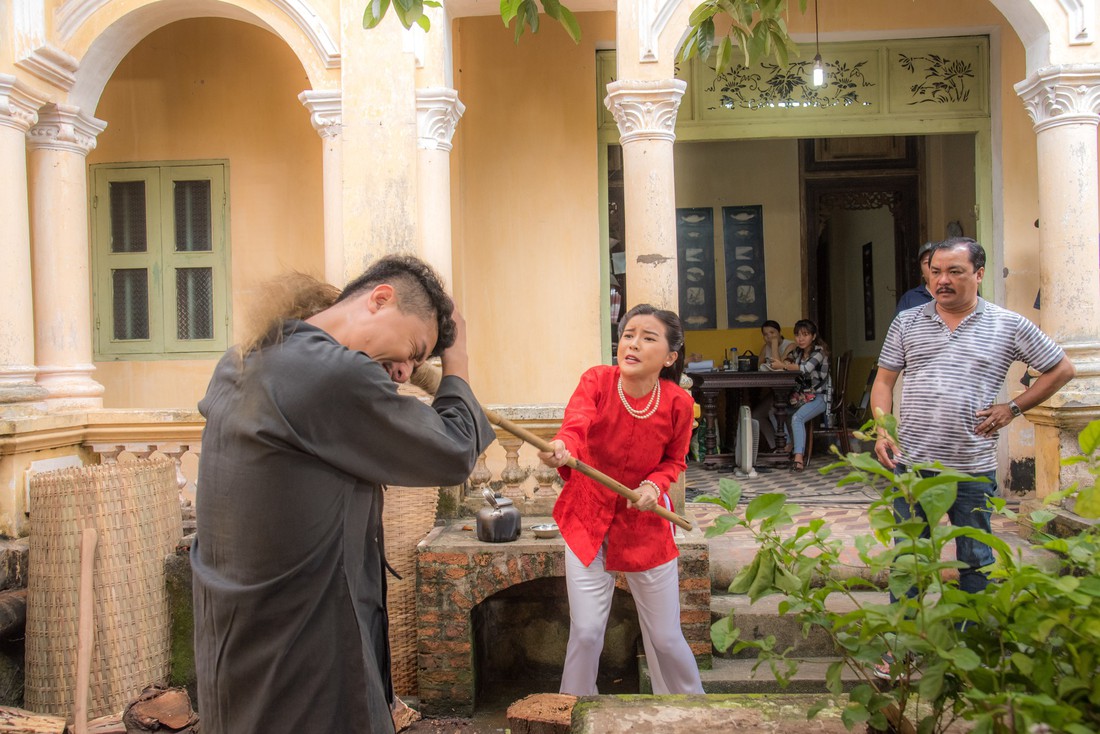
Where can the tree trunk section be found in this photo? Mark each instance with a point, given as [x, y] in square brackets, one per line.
[13, 613]
[19, 721]
[542, 713]
[161, 710]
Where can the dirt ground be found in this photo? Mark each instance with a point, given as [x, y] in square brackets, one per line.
[480, 725]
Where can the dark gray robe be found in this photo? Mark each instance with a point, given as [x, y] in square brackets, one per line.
[289, 579]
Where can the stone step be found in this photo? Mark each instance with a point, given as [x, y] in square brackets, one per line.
[738, 676]
[757, 621]
[731, 552]
[693, 714]
[728, 558]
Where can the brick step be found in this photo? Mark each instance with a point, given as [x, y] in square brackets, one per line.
[757, 621]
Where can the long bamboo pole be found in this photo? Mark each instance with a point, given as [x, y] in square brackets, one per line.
[427, 378]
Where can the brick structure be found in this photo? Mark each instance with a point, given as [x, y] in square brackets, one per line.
[456, 572]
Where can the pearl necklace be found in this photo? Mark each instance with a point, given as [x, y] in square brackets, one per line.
[651, 406]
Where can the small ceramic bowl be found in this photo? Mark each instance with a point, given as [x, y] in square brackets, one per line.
[548, 530]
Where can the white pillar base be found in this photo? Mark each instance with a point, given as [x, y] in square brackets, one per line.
[70, 388]
[20, 395]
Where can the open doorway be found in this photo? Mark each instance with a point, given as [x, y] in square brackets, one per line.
[869, 203]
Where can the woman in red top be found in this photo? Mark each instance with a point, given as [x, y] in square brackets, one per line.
[633, 422]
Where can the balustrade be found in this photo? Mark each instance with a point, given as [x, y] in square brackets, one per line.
[509, 467]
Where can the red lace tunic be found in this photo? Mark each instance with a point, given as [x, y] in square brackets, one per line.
[598, 431]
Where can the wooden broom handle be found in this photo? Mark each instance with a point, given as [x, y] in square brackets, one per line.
[85, 634]
[427, 378]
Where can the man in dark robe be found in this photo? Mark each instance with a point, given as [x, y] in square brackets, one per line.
[302, 431]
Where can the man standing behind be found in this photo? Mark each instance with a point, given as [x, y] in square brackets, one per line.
[304, 425]
[956, 351]
[922, 294]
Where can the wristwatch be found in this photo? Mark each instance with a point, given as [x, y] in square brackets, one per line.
[1016, 412]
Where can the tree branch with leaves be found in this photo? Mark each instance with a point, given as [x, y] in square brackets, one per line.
[757, 27]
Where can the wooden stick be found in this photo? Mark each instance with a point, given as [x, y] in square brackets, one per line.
[85, 633]
[427, 378]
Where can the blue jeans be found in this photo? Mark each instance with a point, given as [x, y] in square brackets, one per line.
[970, 510]
[801, 417]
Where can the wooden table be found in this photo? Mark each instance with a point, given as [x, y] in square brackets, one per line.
[707, 386]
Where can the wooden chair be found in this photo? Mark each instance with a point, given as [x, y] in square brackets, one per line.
[863, 410]
[838, 407]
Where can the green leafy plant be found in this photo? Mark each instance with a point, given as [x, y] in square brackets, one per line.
[1021, 656]
[757, 27]
[524, 12]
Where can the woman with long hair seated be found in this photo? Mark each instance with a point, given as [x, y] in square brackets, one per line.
[811, 359]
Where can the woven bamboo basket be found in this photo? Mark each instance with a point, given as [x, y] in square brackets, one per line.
[135, 509]
[408, 515]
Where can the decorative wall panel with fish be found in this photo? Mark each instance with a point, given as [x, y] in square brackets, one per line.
[695, 254]
[746, 296]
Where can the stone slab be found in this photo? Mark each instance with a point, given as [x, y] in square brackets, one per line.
[692, 714]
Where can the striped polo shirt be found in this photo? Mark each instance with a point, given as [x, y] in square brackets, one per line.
[950, 375]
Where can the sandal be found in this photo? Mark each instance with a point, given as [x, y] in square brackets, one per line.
[798, 466]
[883, 671]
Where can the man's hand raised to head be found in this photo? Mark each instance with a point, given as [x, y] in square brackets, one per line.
[455, 359]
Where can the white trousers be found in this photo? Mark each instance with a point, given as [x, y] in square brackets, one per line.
[656, 594]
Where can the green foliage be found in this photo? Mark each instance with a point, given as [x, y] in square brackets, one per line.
[1087, 500]
[757, 27]
[1021, 656]
[524, 12]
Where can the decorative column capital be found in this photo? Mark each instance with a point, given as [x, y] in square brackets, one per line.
[1062, 95]
[64, 127]
[645, 110]
[18, 105]
[438, 110]
[325, 110]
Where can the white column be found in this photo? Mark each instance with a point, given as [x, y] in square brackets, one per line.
[325, 110]
[59, 145]
[438, 110]
[1064, 104]
[19, 394]
[645, 112]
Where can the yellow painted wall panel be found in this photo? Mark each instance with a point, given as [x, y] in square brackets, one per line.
[526, 227]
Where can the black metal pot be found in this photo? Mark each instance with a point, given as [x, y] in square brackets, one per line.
[748, 362]
[500, 522]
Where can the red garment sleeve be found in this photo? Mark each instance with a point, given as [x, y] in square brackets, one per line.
[580, 412]
[674, 460]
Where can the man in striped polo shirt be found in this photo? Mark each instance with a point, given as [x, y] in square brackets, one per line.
[956, 352]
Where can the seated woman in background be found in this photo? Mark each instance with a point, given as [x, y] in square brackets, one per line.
[811, 360]
[775, 347]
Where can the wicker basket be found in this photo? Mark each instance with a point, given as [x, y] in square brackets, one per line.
[407, 517]
[135, 509]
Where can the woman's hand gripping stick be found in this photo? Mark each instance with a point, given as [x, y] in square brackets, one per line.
[427, 378]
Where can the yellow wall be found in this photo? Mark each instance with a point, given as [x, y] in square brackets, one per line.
[218, 89]
[525, 198]
[525, 180]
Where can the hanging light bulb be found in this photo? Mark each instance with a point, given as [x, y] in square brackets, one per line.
[819, 67]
